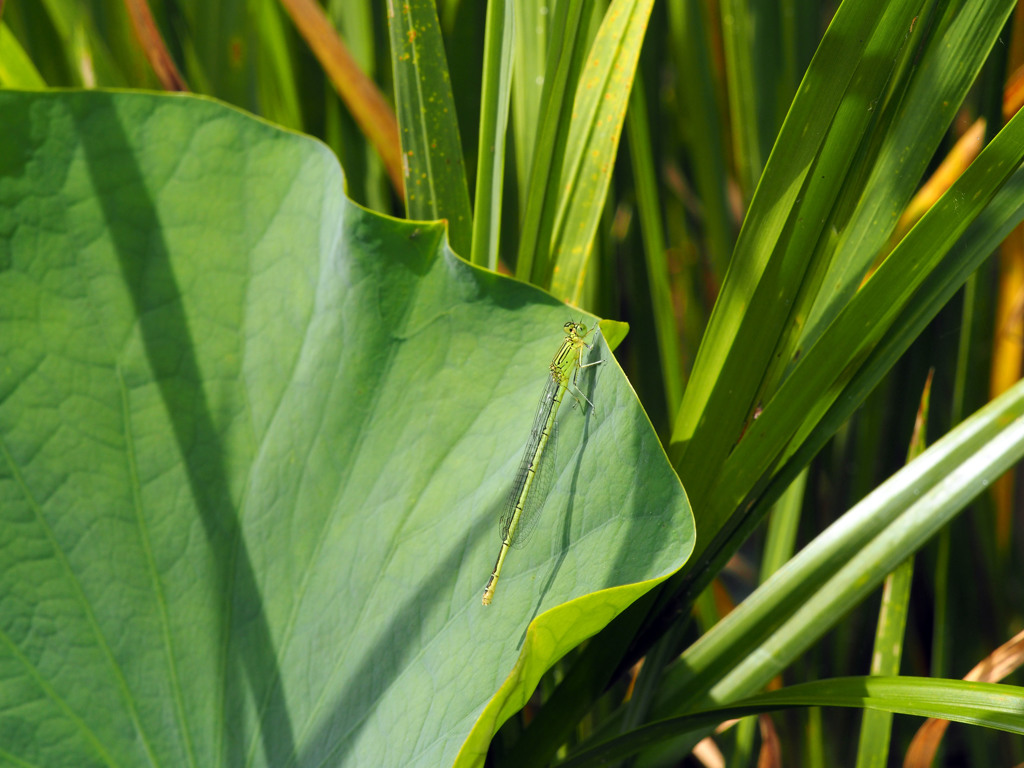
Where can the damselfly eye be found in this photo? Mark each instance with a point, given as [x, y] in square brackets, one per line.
[569, 327]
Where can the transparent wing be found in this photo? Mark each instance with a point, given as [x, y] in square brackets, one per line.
[538, 493]
[538, 454]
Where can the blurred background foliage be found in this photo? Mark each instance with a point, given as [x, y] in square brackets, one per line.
[660, 216]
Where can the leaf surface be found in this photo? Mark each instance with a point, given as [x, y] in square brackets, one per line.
[255, 441]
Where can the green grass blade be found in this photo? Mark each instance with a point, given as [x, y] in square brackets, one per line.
[276, 78]
[844, 563]
[825, 370]
[652, 228]
[834, 191]
[531, 46]
[365, 174]
[969, 253]
[87, 50]
[568, 38]
[977, 244]
[703, 127]
[435, 176]
[598, 113]
[985, 704]
[217, 50]
[748, 316]
[490, 167]
[782, 527]
[948, 67]
[751, 70]
[876, 727]
[752, 337]
[16, 68]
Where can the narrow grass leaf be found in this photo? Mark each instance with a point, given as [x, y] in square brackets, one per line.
[433, 166]
[568, 36]
[598, 114]
[499, 36]
[16, 68]
[812, 592]
[985, 704]
[649, 209]
[824, 371]
[876, 727]
[752, 308]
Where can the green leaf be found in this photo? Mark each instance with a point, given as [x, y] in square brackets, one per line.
[435, 174]
[254, 442]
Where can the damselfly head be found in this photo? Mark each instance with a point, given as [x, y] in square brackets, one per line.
[574, 329]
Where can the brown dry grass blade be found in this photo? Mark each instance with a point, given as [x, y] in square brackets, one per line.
[993, 668]
[153, 46]
[361, 96]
